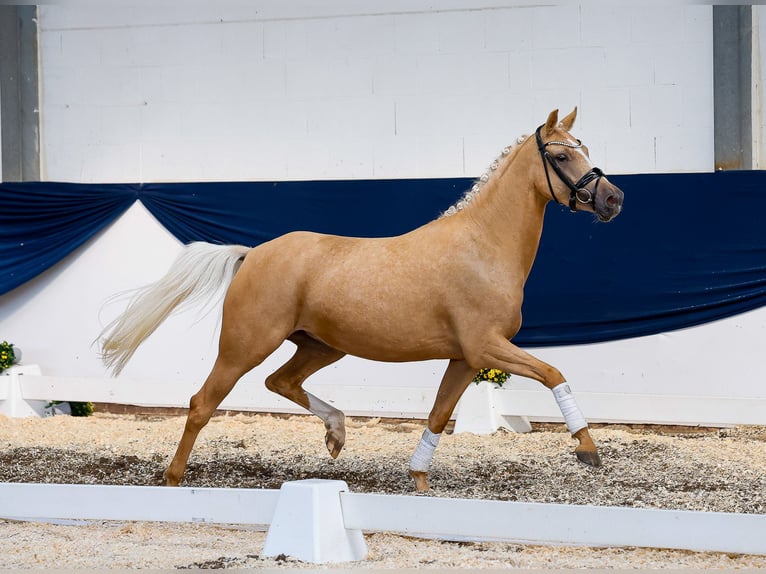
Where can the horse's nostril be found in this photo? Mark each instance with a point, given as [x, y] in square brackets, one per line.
[611, 201]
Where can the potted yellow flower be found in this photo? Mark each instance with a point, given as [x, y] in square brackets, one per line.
[491, 375]
[8, 355]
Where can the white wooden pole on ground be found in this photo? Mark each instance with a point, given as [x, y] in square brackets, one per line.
[319, 521]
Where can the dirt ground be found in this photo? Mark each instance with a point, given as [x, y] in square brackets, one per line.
[690, 469]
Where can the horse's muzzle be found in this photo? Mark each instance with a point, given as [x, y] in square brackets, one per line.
[608, 201]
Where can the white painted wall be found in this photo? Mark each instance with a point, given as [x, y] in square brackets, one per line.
[339, 89]
[342, 89]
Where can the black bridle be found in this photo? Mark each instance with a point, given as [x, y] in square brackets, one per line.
[577, 189]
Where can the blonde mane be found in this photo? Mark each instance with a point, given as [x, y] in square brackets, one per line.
[481, 182]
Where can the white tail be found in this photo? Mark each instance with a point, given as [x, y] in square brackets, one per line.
[198, 273]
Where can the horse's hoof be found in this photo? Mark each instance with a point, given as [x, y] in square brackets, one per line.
[170, 481]
[421, 481]
[589, 457]
[334, 443]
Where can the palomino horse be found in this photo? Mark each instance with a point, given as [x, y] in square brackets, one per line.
[451, 289]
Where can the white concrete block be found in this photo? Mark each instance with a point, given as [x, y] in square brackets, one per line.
[557, 26]
[120, 124]
[461, 32]
[270, 119]
[344, 118]
[462, 73]
[325, 157]
[82, 47]
[396, 156]
[416, 116]
[662, 22]
[174, 160]
[395, 75]
[418, 156]
[509, 30]
[635, 152]
[189, 84]
[160, 121]
[57, 87]
[520, 73]
[284, 40]
[550, 68]
[252, 80]
[108, 163]
[68, 124]
[415, 34]
[307, 156]
[308, 524]
[193, 44]
[333, 37]
[329, 77]
[683, 64]
[629, 65]
[656, 108]
[605, 112]
[675, 149]
[259, 158]
[698, 22]
[242, 42]
[605, 24]
[105, 85]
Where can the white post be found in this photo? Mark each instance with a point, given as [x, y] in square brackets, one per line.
[477, 412]
[12, 402]
[308, 524]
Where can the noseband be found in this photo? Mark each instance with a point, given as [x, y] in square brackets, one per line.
[577, 189]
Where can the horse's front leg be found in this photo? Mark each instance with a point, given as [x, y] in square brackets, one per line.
[454, 382]
[502, 354]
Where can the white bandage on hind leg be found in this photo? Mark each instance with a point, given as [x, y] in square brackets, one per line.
[421, 458]
[566, 401]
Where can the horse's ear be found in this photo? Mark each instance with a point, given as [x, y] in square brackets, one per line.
[568, 121]
[551, 122]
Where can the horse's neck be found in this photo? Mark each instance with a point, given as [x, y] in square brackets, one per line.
[510, 214]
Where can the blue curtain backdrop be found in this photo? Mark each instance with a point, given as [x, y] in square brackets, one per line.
[688, 248]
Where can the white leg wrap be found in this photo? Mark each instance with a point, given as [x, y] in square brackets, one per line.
[421, 458]
[566, 401]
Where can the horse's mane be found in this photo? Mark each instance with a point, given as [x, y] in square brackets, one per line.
[481, 182]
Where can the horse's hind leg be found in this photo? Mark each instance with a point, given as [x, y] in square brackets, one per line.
[202, 405]
[310, 356]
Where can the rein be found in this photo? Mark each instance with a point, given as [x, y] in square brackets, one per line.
[577, 189]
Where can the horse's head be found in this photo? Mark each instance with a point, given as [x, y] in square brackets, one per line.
[568, 174]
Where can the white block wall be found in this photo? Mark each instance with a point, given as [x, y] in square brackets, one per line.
[375, 89]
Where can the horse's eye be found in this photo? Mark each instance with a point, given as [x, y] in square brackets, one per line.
[562, 157]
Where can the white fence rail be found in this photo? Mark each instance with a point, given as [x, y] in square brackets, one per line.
[442, 518]
[483, 409]
[24, 385]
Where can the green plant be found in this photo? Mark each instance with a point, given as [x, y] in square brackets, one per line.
[78, 409]
[7, 356]
[81, 409]
[491, 375]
